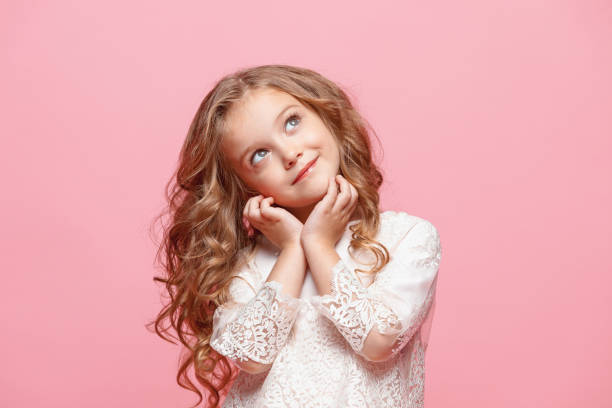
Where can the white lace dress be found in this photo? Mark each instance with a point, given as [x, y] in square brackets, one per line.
[315, 342]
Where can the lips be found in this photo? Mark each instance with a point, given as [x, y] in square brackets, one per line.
[304, 169]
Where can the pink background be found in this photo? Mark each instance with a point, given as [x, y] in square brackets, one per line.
[496, 123]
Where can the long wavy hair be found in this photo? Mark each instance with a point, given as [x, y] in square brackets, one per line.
[204, 242]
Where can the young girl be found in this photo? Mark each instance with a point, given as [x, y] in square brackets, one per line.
[287, 284]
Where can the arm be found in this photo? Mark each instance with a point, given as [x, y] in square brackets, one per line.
[252, 330]
[380, 320]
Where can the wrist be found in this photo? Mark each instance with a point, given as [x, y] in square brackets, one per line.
[314, 244]
[292, 247]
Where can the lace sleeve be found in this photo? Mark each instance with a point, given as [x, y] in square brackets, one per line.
[256, 330]
[399, 299]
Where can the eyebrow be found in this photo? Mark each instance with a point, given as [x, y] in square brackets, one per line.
[275, 120]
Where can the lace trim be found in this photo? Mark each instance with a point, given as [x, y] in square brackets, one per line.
[261, 327]
[352, 310]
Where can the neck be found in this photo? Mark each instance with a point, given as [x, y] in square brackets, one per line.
[302, 213]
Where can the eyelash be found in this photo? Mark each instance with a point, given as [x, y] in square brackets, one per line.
[292, 115]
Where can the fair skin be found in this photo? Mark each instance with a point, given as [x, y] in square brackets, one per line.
[304, 219]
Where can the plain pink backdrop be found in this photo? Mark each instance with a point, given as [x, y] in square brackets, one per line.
[496, 124]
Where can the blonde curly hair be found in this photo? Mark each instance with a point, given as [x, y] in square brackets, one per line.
[204, 241]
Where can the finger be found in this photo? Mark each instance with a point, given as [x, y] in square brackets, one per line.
[265, 208]
[250, 213]
[344, 196]
[351, 194]
[247, 207]
[354, 199]
[273, 213]
[245, 213]
[245, 210]
[354, 196]
[253, 206]
[332, 192]
[255, 212]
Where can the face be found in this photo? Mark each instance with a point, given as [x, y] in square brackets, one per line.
[271, 137]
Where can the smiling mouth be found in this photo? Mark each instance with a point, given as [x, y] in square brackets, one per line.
[305, 170]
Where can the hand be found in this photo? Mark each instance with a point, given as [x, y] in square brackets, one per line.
[278, 225]
[327, 221]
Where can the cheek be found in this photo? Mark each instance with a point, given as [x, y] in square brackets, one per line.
[326, 139]
[333, 148]
[268, 185]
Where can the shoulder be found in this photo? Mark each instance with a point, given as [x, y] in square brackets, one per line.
[417, 241]
[400, 226]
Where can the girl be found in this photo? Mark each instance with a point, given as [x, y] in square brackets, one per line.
[286, 282]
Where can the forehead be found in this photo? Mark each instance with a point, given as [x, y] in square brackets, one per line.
[253, 118]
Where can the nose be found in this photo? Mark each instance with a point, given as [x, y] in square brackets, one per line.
[291, 155]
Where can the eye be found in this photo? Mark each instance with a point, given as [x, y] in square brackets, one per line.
[295, 118]
[256, 155]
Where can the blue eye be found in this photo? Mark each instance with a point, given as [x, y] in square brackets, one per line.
[290, 120]
[255, 155]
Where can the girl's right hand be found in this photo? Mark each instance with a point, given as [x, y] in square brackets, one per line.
[281, 227]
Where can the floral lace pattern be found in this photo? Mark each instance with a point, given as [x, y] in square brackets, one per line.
[315, 341]
[356, 310]
[261, 327]
[352, 310]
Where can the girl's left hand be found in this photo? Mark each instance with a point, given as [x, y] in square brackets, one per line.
[327, 221]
